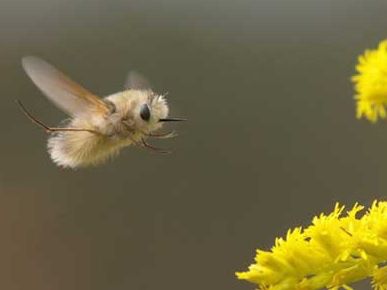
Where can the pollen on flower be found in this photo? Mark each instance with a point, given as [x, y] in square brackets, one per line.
[333, 252]
[371, 83]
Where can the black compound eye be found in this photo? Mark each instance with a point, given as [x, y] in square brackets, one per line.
[145, 112]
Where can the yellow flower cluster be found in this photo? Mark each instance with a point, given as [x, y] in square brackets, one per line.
[371, 83]
[333, 252]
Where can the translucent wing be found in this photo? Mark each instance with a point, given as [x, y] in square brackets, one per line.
[61, 90]
[136, 81]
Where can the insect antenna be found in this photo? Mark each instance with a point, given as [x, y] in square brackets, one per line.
[47, 128]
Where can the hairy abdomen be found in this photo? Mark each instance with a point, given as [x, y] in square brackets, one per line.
[80, 149]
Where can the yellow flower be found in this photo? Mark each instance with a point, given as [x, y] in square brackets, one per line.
[371, 83]
[333, 252]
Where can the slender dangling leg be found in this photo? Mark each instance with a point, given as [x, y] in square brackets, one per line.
[153, 148]
[47, 128]
[165, 135]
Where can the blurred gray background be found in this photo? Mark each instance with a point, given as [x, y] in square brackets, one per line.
[271, 140]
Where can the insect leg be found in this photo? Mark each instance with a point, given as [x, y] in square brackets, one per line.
[153, 148]
[166, 135]
[47, 128]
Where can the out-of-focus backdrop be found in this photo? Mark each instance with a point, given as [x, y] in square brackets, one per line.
[271, 140]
